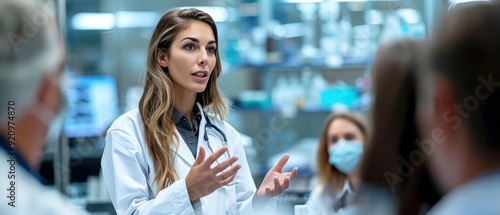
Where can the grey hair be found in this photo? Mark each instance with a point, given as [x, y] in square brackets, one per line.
[30, 46]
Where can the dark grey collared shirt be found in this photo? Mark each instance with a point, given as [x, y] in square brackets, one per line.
[184, 127]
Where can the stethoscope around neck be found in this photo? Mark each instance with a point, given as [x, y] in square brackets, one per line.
[209, 125]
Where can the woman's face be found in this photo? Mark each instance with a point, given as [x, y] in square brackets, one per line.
[343, 129]
[192, 58]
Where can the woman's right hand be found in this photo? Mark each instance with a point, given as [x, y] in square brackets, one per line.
[203, 180]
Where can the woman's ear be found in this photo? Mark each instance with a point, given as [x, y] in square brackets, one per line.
[162, 58]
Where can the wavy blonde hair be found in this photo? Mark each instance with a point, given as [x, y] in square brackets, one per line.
[157, 102]
[327, 173]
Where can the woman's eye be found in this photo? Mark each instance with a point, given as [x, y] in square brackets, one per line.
[189, 47]
[334, 139]
[349, 136]
[211, 50]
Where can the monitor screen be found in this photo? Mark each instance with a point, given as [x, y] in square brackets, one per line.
[92, 106]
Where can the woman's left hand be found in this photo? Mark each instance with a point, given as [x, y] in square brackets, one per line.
[275, 181]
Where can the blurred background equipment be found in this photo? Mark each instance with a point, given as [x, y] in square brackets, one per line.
[92, 104]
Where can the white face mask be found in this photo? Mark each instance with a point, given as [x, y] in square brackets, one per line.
[346, 155]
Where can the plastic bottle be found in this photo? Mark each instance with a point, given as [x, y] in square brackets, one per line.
[317, 86]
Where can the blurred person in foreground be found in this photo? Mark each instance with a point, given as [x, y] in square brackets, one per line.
[395, 178]
[31, 64]
[339, 156]
[463, 115]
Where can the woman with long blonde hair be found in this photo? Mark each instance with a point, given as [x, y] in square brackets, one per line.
[170, 156]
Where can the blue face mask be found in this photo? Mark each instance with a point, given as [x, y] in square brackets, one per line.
[346, 155]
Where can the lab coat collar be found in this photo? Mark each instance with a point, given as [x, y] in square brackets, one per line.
[183, 150]
[346, 188]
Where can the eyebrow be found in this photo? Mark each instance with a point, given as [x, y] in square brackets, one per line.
[197, 41]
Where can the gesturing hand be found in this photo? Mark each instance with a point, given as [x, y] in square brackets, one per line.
[275, 182]
[203, 180]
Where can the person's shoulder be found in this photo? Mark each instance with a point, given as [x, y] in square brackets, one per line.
[51, 203]
[321, 190]
[480, 206]
[477, 197]
[56, 203]
[317, 190]
[40, 198]
[319, 200]
[128, 123]
[130, 118]
[223, 124]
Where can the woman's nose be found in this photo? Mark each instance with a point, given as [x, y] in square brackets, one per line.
[203, 59]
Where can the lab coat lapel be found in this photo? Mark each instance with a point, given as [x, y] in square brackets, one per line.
[184, 152]
[201, 132]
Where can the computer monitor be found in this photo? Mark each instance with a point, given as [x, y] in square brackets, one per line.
[92, 106]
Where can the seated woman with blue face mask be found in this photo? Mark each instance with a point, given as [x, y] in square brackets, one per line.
[339, 155]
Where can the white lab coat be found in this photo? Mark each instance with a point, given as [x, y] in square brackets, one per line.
[322, 198]
[129, 173]
[31, 197]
